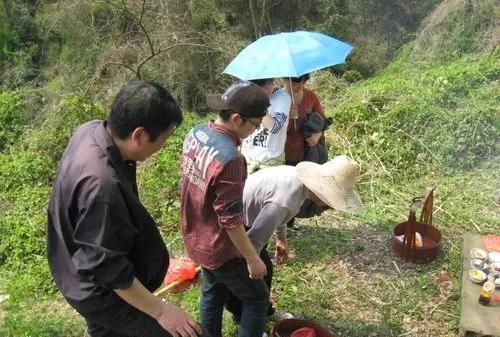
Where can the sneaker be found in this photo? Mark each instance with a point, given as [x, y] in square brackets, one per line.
[296, 230]
[279, 315]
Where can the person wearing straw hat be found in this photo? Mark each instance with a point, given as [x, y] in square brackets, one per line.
[274, 195]
[212, 222]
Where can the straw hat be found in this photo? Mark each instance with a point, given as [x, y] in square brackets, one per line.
[333, 182]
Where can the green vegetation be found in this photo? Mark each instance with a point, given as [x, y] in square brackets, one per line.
[426, 114]
[11, 121]
[401, 114]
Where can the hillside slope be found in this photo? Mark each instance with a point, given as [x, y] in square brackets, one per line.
[430, 117]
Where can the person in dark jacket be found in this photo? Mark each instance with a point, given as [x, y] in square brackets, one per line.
[315, 123]
[105, 252]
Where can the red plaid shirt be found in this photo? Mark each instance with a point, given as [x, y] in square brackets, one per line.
[213, 177]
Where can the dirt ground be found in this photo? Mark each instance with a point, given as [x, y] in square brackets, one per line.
[387, 280]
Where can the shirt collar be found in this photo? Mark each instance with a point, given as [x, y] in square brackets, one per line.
[222, 129]
[107, 144]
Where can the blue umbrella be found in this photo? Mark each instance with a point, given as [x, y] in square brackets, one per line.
[287, 55]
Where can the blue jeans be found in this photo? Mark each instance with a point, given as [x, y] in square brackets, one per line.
[233, 277]
[234, 305]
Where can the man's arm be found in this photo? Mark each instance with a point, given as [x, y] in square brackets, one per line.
[171, 318]
[228, 206]
[102, 254]
[271, 219]
[268, 122]
[280, 110]
[256, 268]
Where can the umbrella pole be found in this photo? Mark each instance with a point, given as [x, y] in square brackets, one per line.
[293, 103]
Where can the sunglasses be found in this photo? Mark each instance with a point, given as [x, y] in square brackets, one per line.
[255, 124]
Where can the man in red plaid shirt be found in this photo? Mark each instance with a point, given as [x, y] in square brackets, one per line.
[213, 177]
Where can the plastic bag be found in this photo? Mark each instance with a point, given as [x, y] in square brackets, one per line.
[304, 332]
[180, 270]
[418, 239]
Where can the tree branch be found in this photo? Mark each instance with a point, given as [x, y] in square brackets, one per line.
[95, 76]
[138, 72]
[142, 10]
[252, 14]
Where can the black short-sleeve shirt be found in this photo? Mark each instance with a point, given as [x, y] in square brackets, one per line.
[100, 236]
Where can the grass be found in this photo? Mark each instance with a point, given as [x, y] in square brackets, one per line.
[341, 272]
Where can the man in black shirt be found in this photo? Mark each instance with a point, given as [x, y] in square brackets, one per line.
[105, 252]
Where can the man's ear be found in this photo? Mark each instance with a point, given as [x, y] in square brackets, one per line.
[139, 136]
[236, 119]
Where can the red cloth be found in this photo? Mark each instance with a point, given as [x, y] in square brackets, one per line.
[294, 146]
[304, 332]
[212, 181]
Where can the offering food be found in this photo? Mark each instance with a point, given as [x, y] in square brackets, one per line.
[478, 253]
[478, 263]
[494, 257]
[492, 243]
[477, 276]
[495, 269]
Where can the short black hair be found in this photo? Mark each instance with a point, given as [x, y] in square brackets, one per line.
[225, 114]
[143, 104]
[261, 81]
[304, 78]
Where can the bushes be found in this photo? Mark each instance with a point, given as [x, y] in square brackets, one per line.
[158, 178]
[28, 169]
[422, 119]
[51, 137]
[22, 229]
[458, 27]
[26, 179]
[16, 26]
[11, 121]
[19, 48]
[22, 169]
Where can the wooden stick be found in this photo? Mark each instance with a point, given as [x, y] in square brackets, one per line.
[293, 103]
[173, 284]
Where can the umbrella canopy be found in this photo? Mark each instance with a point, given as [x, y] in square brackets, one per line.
[287, 55]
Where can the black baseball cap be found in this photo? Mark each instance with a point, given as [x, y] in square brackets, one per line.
[244, 98]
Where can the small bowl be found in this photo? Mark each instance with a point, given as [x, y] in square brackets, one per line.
[494, 257]
[477, 276]
[479, 264]
[478, 253]
[495, 269]
[497, 282]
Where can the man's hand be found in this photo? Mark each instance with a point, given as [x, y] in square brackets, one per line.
[256, 268]
[282, 251]
[177, 322]
[170, 317]
[314, 138]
